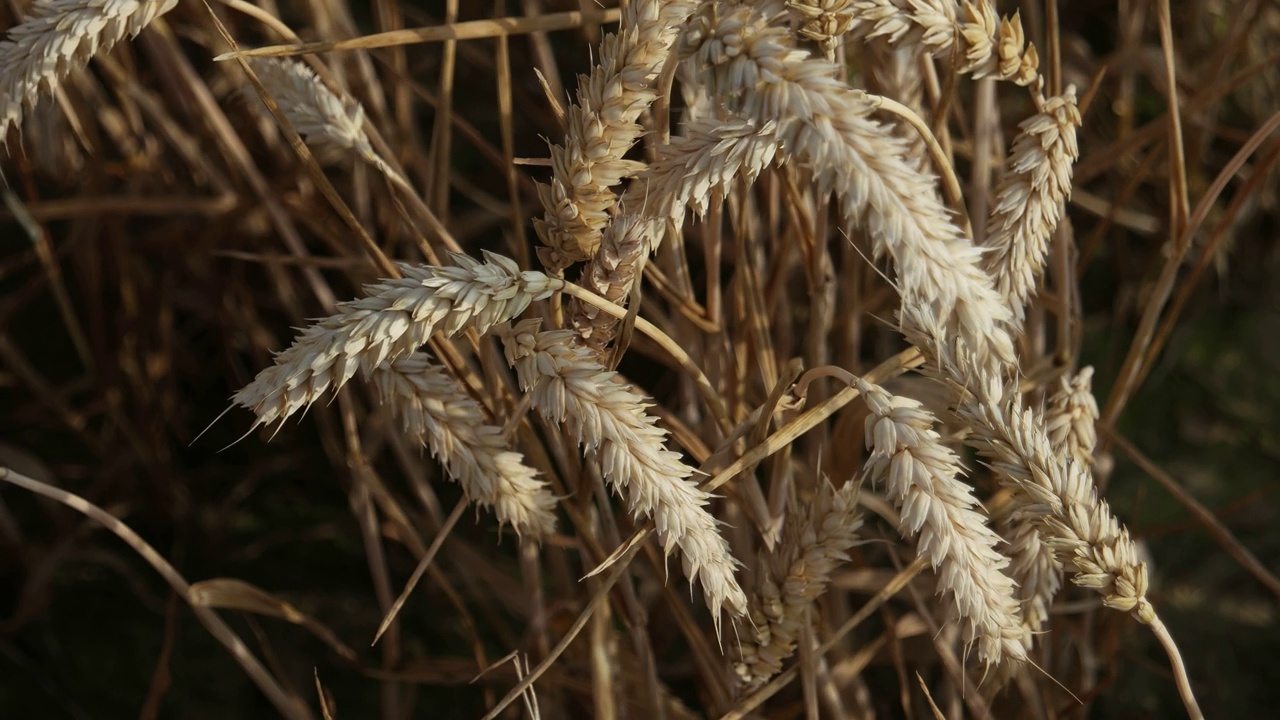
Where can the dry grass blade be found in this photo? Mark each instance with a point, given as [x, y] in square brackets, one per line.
[232, 594]
[285, 704]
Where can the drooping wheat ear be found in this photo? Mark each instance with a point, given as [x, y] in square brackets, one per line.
[822, 21]
[60, 36]
[602, 128]
[1057, 493]
[920, 475]
[325, 119]
[1031, 198]
[1070, 425]
[989, 46]
[792, 576]
[435, 411]
[703, 160]
[821, 122]
[394, 319]
[570, 387]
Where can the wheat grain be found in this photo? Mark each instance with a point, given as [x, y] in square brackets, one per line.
[394, 319]
[817, 537]
[568, 386]
[60, 36]
[602, 128]
[822, 21]
[436, 412]
[920, 473]
[1031, 198]
[1072, 417]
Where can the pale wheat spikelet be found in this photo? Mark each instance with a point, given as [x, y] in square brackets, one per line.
[1072, 417]
[823, 21]
[920, 473]
[793, 576]
[570, 387]
[602, 128]
[821, 122]
[60, 36]
[1031, 198]
[700, 162]
[394, 319]
[326, 120]
[1058, 493]
[435, 411]
[989, 46]
[1070, 424]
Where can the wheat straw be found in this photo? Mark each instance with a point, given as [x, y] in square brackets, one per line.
[436, 412]
[817, 537]
[61, 36]
[608, 419]
[394, 319]
[1031, 198]
[920, 474]
[602, 128]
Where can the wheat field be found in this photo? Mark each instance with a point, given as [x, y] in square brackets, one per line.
[653, 359]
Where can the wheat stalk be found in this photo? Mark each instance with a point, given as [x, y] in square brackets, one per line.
[570, 387]
[920, 474]
[817, 537]
[60, 36]
[1031, 198]
[436, 412]
[394, 319]
[602, 128]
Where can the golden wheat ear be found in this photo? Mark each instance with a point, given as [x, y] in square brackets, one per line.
[60, 36]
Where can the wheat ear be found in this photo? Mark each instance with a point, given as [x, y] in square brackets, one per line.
[394, 319]
[1070, 425]
[1031, 198]
[326, 119]
[60, 36]
[602, 128]
[570, 387]
[989, 46]
[825, 124]
[920, 474]
[436, 412]
[793, 576]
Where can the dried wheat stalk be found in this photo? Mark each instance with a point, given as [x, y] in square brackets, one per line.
[790, 578]
[1031, 198]
[394, 319]
[570, 387]
[61, 36]
[920, 474]
[435, 411]
[602, 128]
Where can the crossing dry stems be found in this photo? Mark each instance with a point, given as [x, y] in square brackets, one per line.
[782, 214]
